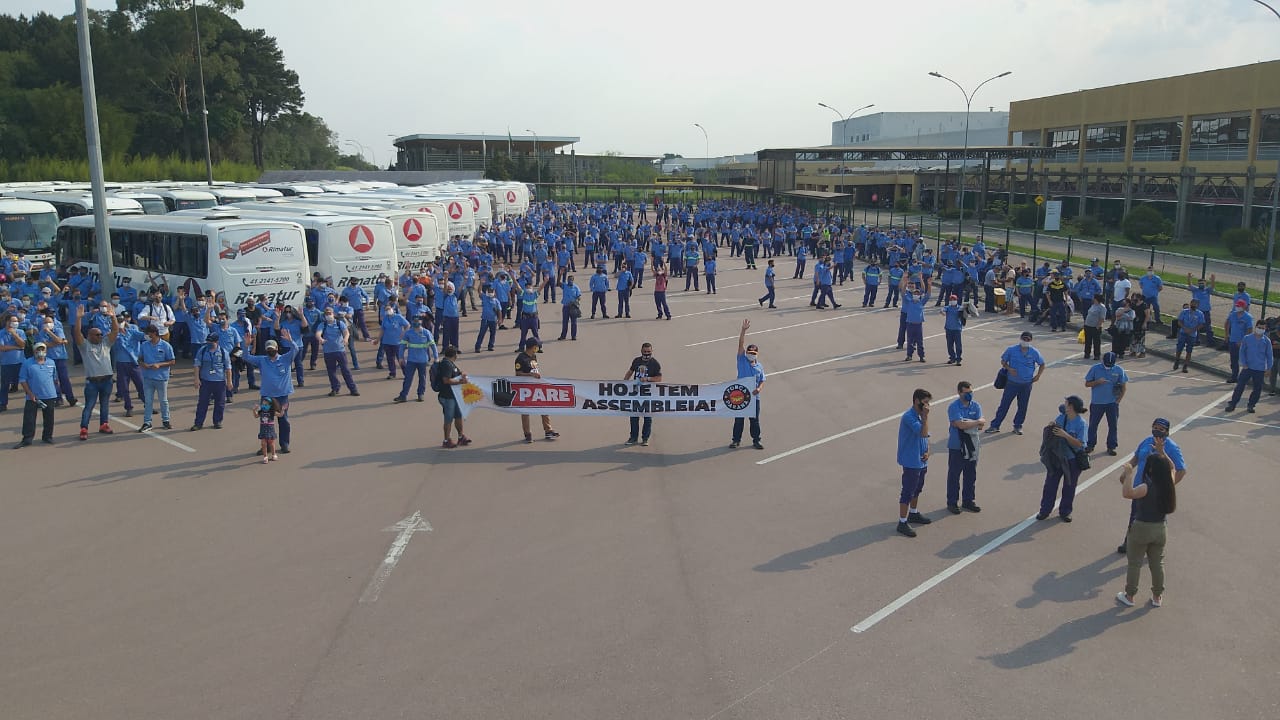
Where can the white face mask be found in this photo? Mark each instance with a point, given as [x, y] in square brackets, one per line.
[1259, 330]
[1026, 343]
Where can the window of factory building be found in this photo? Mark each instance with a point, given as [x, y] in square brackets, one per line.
[1269, 136]
[1220, 138]
[1157, 141]
[1104, 144]
[1066, 143]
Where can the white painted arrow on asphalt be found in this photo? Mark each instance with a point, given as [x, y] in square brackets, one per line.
[404, 533]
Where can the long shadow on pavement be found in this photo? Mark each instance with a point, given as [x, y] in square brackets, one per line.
[804, 558]
[1063, 639]
[1083, 583]
[963, 546]
[632, 459]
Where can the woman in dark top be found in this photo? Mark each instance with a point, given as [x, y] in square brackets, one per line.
[1154, 498]
[1142, 318]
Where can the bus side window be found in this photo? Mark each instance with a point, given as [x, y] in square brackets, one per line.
[313, 247]
[120, 249]
[161, 252]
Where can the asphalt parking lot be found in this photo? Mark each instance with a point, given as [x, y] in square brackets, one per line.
[372, 573]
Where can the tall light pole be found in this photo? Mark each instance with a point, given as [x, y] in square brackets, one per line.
[360, 149]
[106, 273]
[393, 137]
[968, 100]
[536, 159]
[204, 105]
[707, 140]
[1275, 201]
[844, 120]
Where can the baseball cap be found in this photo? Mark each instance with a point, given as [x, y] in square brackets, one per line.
[39, 345]
[1109, 359]
[1162, 422]
[530, 343]
[1241, 303]
[1026, 335]
[272, 345]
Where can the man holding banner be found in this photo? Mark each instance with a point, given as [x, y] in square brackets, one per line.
[749, 367]
[645, 368]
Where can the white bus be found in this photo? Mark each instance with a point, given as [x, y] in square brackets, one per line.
[340, 248]
[228, 195]
[457, 210]
[418, 237]
[237, 260]
[74, 204]
[152, 203]
[187, 199]
[28, 228]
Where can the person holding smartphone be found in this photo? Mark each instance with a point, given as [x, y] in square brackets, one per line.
[913, 457]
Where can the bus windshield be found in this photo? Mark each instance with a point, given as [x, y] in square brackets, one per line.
[28, 232]
[152, 206]
[180, 204]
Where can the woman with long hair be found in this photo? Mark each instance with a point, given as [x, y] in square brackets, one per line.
[1155, 498]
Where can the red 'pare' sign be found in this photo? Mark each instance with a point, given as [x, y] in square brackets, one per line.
[536, 395]
[361, 239]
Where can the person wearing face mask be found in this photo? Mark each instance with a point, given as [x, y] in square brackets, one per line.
[1201, 292]
[290, 319]
[229, 339]
[1159, 445]
[749, 368]
[155, 357]
[1107, 382]
[1239, 324]
[95, 349]
[1190, 323]
[913, 458]
[418, 350]
[312, 316]
[332, 334]
[276, 381]
[1024, 365]
[1256, 359]
[966, 422]
[953, 326]
[1068, 434]
[49, 331]
[213, 381]
[570, 310]
[645, 368]
[36, 380]
[393, 327]
[13, 345]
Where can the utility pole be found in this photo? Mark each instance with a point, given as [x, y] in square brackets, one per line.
[106, 273]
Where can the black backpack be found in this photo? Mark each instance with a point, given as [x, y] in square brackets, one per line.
[433, 374]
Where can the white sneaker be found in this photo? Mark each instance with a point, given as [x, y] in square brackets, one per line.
[1156, 602]
[1123, 599]
[266, 460]
[274, 456]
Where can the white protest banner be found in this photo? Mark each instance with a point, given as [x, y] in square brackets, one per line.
[552, 396]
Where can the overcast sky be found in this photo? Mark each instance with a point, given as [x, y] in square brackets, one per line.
[635, 77]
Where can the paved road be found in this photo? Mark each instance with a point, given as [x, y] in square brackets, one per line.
[584, 579]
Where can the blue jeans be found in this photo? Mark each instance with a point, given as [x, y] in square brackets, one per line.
[1022, 393]
[150, 389]
[1096, 412]
[96, 392]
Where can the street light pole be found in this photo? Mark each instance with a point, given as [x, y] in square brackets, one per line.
[844, 124]
[536, 159]
[1275, 197]
[964, 161]
[706, 139]
[204, 104]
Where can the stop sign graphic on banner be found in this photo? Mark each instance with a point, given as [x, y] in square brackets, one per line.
[412, 230]
[455, 211]
[511, 196]
[361, 239]
[475, 204]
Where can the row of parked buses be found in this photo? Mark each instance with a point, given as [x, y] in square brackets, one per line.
[242, 241]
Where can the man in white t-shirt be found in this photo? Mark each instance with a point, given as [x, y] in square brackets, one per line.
[1121, 290]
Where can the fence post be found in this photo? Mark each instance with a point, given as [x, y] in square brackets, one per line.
[1204, 265]
[1035, 243]
[1069, 243]
[1006, 243]
[1152, 261]
[1266, 290]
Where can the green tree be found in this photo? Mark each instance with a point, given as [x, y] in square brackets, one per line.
[499, 167]
[616, 169]
[1145, 221]
[268, 88]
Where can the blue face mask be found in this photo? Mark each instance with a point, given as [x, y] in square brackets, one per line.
[967, 397]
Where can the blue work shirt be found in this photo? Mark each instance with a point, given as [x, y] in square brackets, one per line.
[958, 410]
[276, 375]
[39, 378]
[1238, 325]
[568, 293]
[749, 367]
[1022, 365]
[1255, 352]
[490, 308]
[331, 336]
[213, 363]
[599, 283]
[768, 276]
[128, 342]
[419, 345]
[155, 352]
[872, 275]
[1076, 428]
[1201, 295]
[625, 278]
[1190, 319]
[393, 328]
[1144, 451]
[1151, 286]
[911, 447]
[1105, 394]
[953, 313]
[913, 306]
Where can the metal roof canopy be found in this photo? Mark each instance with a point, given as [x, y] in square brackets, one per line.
[456, 141]
[857, 154]
[816, 194]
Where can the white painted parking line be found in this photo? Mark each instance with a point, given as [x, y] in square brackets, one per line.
[405, 530]
[889, 418]
[788, 327]
[155, 435]
[739, 307]
[1004, 537]
[1171, 374]
[1242, 422]
[859, 354]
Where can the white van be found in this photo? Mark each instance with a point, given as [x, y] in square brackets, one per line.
[229, 195]
[187, 199]
[418, 237]
[458, 212]
[28, 228]
[236, 259]
[73, 204]
[152, 203]
[343, 203]
[339, 247]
